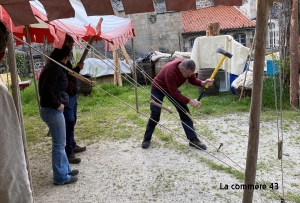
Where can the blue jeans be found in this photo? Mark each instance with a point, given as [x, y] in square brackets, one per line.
[56, 122]
[70, 113]
[158, 96]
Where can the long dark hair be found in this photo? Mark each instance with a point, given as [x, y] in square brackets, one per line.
[68, 40]
[3, 37]
[59, 54]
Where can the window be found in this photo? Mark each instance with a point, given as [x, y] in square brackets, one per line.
[241, 38]
[272, 38]
[192, 40]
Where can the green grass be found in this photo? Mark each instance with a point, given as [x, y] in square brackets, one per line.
[108, 116]
[238, 175]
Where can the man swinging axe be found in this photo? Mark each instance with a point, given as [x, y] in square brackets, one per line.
[166, 83]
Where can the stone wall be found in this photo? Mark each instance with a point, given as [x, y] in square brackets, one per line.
[204, 3]
[160, 32]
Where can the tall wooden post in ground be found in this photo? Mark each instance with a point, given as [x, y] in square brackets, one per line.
[32, 67]
[117, 74]
[17, 100]
[258, 72]
[294, 70]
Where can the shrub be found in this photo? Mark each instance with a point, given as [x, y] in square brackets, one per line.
[268, 97]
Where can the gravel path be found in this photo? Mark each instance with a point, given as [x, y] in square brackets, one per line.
[124, 172]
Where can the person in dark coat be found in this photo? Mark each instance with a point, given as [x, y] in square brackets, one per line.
[70, 111]
[53, 83]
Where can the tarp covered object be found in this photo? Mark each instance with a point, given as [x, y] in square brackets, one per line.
[97, 67]
[205, 56]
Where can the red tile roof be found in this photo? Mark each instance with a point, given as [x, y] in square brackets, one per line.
[228, 16]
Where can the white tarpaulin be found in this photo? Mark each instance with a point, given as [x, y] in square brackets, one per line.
[97, 67]
[205, 56]
[239, 81]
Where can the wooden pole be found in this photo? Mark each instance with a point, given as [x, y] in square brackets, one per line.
[17, 99]
[248, 64]
[135, 77]
[258, 72]
[126, 56]
[117, 74]
[32, 67]
[88, 46]
[294, 70]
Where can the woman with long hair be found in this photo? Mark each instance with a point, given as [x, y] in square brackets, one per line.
[53, 83]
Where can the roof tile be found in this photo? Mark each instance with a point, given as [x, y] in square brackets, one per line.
[229, 17]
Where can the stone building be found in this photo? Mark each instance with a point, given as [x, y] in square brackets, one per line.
[231, 22]
[163, 30]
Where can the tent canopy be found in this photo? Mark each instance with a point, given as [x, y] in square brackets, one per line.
[95, 7]
[113, 29]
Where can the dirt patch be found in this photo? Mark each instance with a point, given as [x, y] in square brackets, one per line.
[122, 171]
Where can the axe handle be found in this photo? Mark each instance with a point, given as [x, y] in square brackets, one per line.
[216, 69]
[212, 76]
[201, 95]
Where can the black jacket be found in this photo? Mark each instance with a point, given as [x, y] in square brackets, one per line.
[53, 83]
[72, 86]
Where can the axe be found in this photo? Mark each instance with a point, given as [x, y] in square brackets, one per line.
[224, 55]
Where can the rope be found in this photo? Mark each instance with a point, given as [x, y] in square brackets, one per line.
[88, 48]
[141, 112]
[280, 142]
[131, 106]
[173, 132]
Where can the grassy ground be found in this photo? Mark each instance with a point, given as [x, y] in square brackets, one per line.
[113, 116]
[102, 116]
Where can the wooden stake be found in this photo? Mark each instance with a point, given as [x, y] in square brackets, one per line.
[258, 72]
[32, 67]
[280, 149]
[127, 59]
[117, 74]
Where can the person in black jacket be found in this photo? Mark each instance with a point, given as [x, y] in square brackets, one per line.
[53, 83]
[70, 111]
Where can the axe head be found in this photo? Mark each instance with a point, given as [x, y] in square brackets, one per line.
[225, 53]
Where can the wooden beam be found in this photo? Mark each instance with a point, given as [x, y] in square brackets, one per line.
[294, 70]
[256, 98]
[17, 100]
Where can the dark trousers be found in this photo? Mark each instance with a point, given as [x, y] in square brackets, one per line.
[70, 113]
[158, 96]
